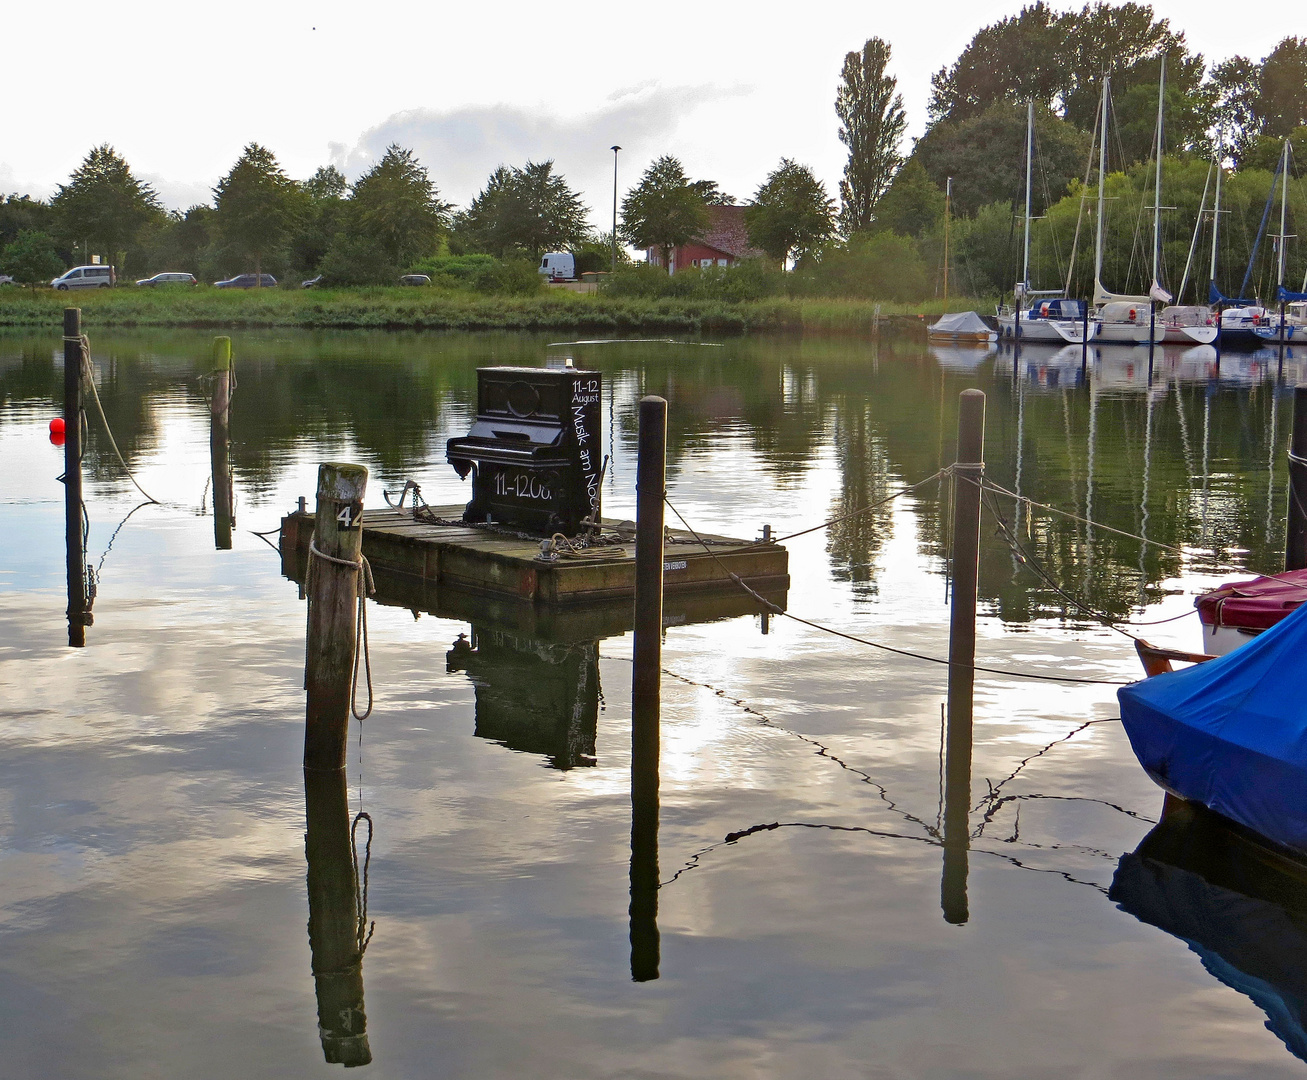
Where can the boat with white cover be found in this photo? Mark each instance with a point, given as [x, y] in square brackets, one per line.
[961, 326]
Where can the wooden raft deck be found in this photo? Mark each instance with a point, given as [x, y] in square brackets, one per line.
[478, 561]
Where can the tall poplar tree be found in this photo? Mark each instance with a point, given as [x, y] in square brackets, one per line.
[872, 123]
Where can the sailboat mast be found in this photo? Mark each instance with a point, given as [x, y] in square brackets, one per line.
[1157, 185]
[1030, 154]
[1102, 175]
[1216, 217]
[1284, 208]
[948, 196]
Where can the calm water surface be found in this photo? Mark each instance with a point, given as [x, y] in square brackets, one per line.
[153, 898]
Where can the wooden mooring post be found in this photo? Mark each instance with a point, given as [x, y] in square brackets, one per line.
[650, 486]
[336, 934]
[220, 444]
[968, 474]
[334, 565]
[79, 616]
[1295, 554]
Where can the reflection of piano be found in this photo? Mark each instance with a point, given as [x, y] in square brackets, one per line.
[1238, 904]
[532, 696]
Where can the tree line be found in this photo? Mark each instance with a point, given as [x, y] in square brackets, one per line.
[882, 236]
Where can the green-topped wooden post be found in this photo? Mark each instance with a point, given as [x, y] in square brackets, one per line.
[334, 560]
[220, 443]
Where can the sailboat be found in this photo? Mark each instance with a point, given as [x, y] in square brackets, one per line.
[1193, 324]
[1123, 319]
[1288, 324]
[1057, 319]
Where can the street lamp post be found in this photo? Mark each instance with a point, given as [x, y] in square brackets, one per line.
[615, 149]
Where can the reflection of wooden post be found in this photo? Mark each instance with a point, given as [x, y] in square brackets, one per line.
[645, 943]
[1295, 556]
[334, 921]
[333, 607]
[219, 443]
[78, 616]
[968, 472]
[650, 484]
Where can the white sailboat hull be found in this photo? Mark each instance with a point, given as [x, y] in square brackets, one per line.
[1056, 331]
[1189, 335]
[1128, 333]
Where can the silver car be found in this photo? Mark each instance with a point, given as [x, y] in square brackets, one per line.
[170, 278]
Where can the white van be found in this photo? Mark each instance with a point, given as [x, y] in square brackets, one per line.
[85, 277]
[559, 265]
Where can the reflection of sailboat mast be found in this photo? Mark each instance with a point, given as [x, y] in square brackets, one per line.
[1021, 441]
[1270, 463]
[1143, 502]
[1207, 429]
[1089, 484]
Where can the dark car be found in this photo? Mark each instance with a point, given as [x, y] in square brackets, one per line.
[415, 279]
[171, 278]
[247, 281]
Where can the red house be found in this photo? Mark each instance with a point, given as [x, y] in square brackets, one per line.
[724, 243]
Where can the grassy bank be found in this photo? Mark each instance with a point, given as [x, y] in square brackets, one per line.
[429, 309]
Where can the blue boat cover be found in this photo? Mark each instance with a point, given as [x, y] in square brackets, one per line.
[1232, 733]
[1291, 297]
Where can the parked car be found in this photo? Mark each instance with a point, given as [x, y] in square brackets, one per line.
[170, 278]
[312, 282]
[415, 279]
[5, 279]
[85, 277]
[247, 281]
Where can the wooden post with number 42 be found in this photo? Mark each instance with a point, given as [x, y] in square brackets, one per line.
[334, 562]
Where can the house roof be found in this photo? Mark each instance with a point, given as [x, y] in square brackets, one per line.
[727, 232]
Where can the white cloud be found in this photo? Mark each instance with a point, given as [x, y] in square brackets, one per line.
[462, 146]
[179, 194]
[10, 184]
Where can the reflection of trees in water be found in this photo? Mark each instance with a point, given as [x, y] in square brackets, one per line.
[1215, 476]
[864, 479]
[1186, 467]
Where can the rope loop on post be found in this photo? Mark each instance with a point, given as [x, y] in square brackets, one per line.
[366, 587]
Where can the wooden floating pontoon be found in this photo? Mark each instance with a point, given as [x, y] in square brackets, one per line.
[476, 561]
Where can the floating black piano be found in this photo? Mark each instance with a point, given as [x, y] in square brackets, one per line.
[534, 448]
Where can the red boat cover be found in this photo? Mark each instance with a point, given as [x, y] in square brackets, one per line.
[1253, 605]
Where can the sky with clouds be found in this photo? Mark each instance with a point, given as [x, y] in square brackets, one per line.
[730, 88]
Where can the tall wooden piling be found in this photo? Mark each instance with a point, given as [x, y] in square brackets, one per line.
[78, 615]
[334, 920]
[1295, 554]
[334, 562]
[650, 491]
[650, 484]
[220, 443]
[968, 473]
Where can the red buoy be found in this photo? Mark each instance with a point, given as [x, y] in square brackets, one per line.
[57, 438]
[57, 426]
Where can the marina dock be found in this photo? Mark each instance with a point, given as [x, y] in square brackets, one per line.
[473, 561]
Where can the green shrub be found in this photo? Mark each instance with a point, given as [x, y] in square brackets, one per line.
[884, 266]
